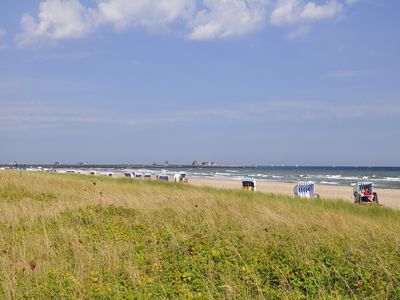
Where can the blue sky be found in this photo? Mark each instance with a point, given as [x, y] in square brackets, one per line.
[233, 81]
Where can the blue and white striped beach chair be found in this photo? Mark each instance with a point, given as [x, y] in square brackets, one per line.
[305, 189]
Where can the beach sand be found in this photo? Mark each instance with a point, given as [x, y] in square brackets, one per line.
[387, 197]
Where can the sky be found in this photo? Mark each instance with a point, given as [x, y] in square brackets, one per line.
[267, 82]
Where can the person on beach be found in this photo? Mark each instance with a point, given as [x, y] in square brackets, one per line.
[367, 195]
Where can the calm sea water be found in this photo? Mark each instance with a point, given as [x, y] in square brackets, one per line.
[383, 177]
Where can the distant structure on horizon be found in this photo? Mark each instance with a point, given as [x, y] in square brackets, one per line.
[209, 163]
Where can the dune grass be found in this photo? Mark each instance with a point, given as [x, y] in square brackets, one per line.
[75, 236]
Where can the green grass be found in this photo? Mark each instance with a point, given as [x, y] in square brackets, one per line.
[74, 236]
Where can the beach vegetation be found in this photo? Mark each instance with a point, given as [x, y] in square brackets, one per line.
[76, 236]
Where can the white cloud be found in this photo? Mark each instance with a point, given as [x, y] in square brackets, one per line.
[145, 13]
[3, 33]
[64, 19]
[226, 18]
[313, 11]
[285, 12]
[57, 19]
[293, 11]
[201, 19]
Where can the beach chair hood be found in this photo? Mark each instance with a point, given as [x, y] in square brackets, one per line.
[360, 186]
[248, 180]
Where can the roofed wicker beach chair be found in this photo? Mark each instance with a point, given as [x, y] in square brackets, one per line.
[130, 174]
[305, 189]
[162, 177]
[363, 192]
[180, 177]
[249, 184]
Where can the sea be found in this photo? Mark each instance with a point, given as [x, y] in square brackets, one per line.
[382, 177]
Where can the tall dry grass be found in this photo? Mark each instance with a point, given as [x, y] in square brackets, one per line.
[75, 236]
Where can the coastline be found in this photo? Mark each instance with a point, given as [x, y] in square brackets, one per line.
[387, 197]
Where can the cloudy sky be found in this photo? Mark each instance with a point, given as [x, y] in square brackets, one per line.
[308, 82]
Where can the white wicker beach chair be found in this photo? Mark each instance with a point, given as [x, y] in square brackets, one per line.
[180, 177]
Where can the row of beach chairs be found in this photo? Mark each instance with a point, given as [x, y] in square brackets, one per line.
[363, 192]
[179, 177]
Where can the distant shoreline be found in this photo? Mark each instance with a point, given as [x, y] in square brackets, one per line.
[389, 197]
[382, 177]
[126, 166]
[171, 166]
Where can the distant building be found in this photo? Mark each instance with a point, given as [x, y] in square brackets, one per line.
[57, 163]
[209, 163]
[194, 163]
[166, 163]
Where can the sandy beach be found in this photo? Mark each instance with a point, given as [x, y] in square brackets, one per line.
[387, 197]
